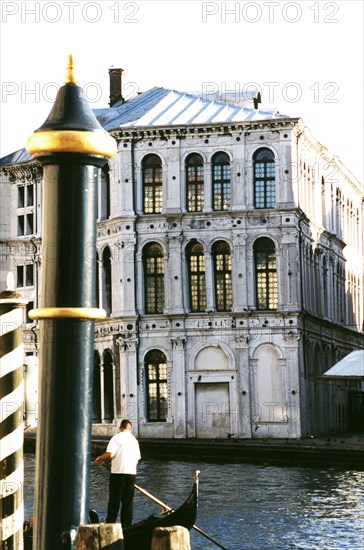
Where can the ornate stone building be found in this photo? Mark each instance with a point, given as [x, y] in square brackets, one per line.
[230, 264]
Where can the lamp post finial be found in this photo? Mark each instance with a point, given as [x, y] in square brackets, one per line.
[70, 75]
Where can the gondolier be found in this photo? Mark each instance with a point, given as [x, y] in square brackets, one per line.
[123, 449]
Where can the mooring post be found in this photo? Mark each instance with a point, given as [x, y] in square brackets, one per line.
[72, 147]
[100, 536]
[171, 538]
[11, 418]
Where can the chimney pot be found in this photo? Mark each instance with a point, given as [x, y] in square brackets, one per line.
[116, 88]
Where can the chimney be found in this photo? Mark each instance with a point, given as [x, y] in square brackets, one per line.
[115, 86]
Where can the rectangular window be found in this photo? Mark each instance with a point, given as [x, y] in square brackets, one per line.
[30, 195]
[264, 182]
[152, 190]
[157, 392]
[154, 280]
[26, 225]
[29, 275]
[266, 280]
[29, 306]
[221, 186]
[25, 275]
[21, 226]
[195, 188]
[20, 276]
[21, 196]
[223, 283]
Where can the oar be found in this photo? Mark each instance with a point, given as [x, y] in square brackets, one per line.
[167, 508]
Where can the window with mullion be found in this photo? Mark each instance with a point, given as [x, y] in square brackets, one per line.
[264, 179]
[25, 215]
[266, 274]
[156, 386]
[221, 181]
[196, 272]
[195, 183]
[222, 271]
[152, 185]
[153, 260]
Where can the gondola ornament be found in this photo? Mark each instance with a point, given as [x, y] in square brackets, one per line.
[72, 147]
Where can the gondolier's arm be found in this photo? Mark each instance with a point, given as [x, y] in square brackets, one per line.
[100, 459]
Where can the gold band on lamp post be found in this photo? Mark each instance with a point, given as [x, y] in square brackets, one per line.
[97, 142]
[67, 313]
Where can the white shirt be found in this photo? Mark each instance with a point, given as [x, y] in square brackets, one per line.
[125, 453]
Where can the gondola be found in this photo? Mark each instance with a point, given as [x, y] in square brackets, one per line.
[139, 535]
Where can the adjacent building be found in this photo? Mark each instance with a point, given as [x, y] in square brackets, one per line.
[229, 261]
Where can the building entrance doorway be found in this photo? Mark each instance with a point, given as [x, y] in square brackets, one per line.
[213, 417]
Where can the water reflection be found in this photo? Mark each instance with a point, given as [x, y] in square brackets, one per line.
[248, 506]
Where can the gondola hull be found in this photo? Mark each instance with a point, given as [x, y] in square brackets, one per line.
[139, 535]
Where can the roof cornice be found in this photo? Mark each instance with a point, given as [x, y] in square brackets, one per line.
[224, 128]
[304, 132]
[30, 169]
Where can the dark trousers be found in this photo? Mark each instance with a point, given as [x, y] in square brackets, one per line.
[121, 491]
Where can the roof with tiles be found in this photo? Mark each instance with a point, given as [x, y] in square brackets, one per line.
[163, 107]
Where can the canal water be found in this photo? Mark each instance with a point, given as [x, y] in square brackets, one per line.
[246, 506]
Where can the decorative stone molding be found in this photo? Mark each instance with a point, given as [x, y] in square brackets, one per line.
[291, 335]
[108, 228]
[127, 344]
[23, 172]
[242, 341]
[178, 343]
[155, 324]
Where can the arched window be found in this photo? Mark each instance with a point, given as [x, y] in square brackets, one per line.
[108, 388]
[152, 184]
[156, 386]
[265, 274]
[194, 183]
[222, 272]
[221, 181]
[264, 179]
[196, 276]
[96, 408]
[153, 262]
[106, 281]
[105, 193]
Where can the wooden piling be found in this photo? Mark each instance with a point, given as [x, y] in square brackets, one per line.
[100, 536]
[171, 538]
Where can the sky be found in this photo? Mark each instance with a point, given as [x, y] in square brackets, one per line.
[306, 58]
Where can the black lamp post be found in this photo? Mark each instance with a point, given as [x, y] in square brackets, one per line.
[72, 147]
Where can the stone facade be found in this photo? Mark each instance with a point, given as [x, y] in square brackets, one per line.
[237, 364]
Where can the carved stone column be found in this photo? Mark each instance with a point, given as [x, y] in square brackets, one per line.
[102, 390]
[244, 386]
[128, 276]
[210, 294]
[174, 302]
[128, 375]
[240, 273]
[179, 386]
